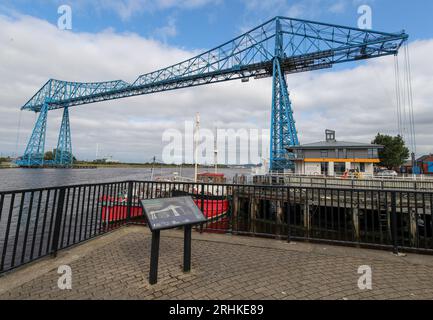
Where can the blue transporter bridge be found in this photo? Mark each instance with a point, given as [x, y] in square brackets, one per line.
[277, 48]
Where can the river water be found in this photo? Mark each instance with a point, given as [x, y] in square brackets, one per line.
[18, 179]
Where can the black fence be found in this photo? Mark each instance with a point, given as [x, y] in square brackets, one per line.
[40, 222]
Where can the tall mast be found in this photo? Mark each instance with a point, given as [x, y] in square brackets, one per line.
[216, 150]
[196, 142]
[152, 174]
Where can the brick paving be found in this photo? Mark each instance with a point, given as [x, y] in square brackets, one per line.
[223, 267]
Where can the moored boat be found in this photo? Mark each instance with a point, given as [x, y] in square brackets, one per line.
[212, 201]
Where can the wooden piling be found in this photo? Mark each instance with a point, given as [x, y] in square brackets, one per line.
[307, 219]
[253, 214]
[280, 220]
[413, 229]
[355, 217]
[235, 213]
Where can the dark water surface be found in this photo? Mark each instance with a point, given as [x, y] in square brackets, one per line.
[18, 179]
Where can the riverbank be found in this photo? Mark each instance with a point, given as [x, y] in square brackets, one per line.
[6, 165]
[141, 165]
[92, 165]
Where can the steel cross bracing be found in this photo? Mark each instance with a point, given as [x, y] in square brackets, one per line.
[306, 46]
[283, 129]
[299, 46]
[34, 154]
[63, 154]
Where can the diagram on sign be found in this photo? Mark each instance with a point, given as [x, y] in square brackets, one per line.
[172, 213]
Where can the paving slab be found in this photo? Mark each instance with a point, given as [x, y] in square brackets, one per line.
[224, 267]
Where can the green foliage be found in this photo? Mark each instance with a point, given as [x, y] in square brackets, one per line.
[394, 154]
[49, 156]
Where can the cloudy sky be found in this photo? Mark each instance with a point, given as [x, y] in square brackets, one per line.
[121, 39]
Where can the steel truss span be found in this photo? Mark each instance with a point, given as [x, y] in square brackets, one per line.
[276, 48]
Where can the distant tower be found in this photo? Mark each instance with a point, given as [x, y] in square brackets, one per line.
[330, 135]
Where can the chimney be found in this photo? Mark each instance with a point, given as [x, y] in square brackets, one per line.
[330, 136]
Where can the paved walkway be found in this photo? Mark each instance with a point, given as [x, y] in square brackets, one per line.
[116, 266]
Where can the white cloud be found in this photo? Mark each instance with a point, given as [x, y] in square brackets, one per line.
[255, 10]
[167, 31]
[338, 7]
[358, 102]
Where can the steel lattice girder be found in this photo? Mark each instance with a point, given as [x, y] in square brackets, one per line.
[283, 128]
[307, 45]
[63, 154]
[35, 151]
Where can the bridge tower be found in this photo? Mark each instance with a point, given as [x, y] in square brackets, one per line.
[64, 156]
[283, 125]
[35, 150]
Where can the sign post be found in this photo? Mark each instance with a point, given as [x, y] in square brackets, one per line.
[154, 257]
[187, 249]
[171, 213]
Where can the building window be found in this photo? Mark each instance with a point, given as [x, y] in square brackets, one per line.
[372, 154]
[341, 153]
[324, 153]
[339, 168]
[324, 168]
[299, 154]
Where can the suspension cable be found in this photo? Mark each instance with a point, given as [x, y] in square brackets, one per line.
[404, 97]
[410, 99]
[398, 95]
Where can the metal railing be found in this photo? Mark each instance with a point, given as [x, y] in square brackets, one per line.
[40, 222]
[339, 182]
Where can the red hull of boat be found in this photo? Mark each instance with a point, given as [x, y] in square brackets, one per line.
[214, 210]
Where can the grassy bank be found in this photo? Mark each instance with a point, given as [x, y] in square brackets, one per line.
[92, 165]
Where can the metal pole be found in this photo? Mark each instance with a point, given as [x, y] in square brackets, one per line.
[58, 222]
[187, 249]
[394, 222]
[154, 256]
[128, 214]
[289, 236]
[196, 142]
[202, 205]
